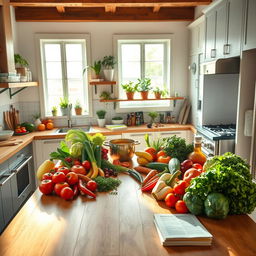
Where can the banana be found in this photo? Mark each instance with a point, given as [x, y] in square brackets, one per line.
[142, 161]
[95, 173]
[101, 173]
[89, 174]
[145, 155]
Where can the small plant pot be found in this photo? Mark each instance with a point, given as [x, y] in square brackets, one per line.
[54, 113]
[37, 122]
[78, 111]
[64, 111]
[144, 95]
[101, 122]
[157, 95]
[108, 74]
[130, 95]
[117, 121]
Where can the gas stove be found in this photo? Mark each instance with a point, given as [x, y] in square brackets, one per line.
[221, 132]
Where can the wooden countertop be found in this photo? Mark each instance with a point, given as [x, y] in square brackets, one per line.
[9, 151]
[115, 225]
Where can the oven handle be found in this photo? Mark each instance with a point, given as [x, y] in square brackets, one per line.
[8, 177]
[22, 165]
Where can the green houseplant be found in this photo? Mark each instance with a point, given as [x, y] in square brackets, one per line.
[130, 89]
[153, 115]
[78, 108]
[117, 120]
[54, 111]
[144, 86]
[101, 117]
[108, 63]
[96, 68]
[21, 66]
[64, 106]
[160, 93]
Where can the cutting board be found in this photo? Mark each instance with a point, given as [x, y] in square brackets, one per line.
[11, 142]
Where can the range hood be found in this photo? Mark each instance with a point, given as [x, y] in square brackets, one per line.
[221, 66]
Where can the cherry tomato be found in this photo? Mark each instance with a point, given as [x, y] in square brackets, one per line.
[64, 169]
[91, 185]
[67, 193]
[164, 159]
[76, 162]
[171, 199]
[58, 177]
[197, 166]
[47, 176]
[160, 153]
[59, 186]
[46, 187]
[87, 165]
[180, 187]
[69, 159]
[181, 207]
[79, 169]
[152, 152]
[190, 174]
[72, 178]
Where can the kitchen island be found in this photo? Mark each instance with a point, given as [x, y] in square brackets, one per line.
[113, 224]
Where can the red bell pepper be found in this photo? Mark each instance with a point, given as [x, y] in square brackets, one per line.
[85, 190]
[150, 185]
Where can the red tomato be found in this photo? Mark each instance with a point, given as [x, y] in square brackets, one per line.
[160, 153]
[190, 174]
[197, 166]
[185, 165]
[59, 186]
[181, 207]
[171, 199]
[164, 159]
[72, 178]
[47, 176]
[69, 159]
[58, 177]
[46, 187]
[64, 169]
[79, 169]
[76, 162]
[67, 193]
[152, 152]
[87, 165]
[91, 185]
[180, 187]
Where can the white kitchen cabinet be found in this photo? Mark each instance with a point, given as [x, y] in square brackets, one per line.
[113, 137]
[167, 134]
[250, 25]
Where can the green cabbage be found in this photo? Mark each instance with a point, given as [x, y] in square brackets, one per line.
[194, 203]
[76, 150]
[216, 206]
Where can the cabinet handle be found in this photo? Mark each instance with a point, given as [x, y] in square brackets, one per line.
[226, 49]
[8, 177]
[22, 165]
[169, 133]
[51, 141]
[138, 134]
[213, 53]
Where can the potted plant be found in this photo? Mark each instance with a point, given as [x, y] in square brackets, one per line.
[159, 93]
[96, 68]
[105, 95]
[130, 89]
[108, 63]
[21, 65]
[153, 115]
[78, 108]
[54, 111]
[101, 117]
[117, 120]
[64, 106]
[144, 86]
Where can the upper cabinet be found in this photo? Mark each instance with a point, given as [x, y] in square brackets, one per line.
[250, 25]
[223, 22]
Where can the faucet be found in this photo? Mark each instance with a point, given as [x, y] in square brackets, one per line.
[69, 116]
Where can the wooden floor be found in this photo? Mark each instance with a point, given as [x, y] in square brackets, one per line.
[113, 225]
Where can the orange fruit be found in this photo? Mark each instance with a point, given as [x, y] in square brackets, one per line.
[49, 126]
[41, 127]
[45, 121]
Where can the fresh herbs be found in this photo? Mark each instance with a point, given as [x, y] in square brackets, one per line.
[157, 144]
[107, 184]
[176, 147]
[61, 155]
[229, 175]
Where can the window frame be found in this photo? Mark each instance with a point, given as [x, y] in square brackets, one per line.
[144, 37]
[41, 39]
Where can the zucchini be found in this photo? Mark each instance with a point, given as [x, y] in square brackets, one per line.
[157, 166]
[174, 165]
[97, 155]
[116, 168]
[136, 175]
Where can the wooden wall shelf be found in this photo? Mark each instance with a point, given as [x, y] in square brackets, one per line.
[118, 100]
[102, 83]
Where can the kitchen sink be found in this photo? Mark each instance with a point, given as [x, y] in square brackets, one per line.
[66, 129]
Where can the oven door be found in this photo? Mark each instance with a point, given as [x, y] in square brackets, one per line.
[22, 182]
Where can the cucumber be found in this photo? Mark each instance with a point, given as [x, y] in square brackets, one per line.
[174, 165]
[84, 155]
[97, 155]
[116, 168]
[157, 166]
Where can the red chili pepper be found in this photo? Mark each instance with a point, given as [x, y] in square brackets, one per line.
[85, 190]
[149, 186]
[75, 190]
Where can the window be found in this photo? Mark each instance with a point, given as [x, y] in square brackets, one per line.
[141, 57]
[62, 62]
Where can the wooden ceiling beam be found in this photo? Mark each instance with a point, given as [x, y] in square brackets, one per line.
[60, 8]
[99, 14]
[103, 3]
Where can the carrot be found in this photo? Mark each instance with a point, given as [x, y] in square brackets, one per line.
[151, 174]
[83, 177]
[142, 169]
